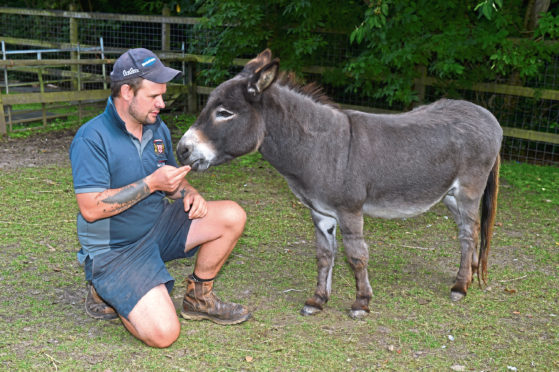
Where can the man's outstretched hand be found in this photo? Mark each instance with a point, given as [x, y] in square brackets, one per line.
[167, 178]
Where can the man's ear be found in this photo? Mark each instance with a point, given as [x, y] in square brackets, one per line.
[263, 78]
[126, 92]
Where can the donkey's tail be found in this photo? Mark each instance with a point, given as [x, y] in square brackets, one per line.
[488, 213]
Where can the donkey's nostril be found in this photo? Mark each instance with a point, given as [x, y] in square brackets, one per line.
[183, 152]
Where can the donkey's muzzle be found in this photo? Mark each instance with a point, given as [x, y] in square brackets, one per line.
[183, 153]
[186, 156]
[196, 150]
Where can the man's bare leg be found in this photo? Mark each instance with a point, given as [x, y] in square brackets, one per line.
[217, 233]
[154, 319]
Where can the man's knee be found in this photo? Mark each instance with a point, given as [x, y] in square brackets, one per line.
[163, 334]
[154, 319]
[234, 215]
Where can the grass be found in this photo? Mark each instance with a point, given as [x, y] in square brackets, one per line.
[413, 324]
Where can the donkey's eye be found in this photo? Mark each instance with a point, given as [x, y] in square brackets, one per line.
[223, 114]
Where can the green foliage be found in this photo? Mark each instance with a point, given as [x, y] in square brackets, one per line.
[488, 8]
[383, 44]
[447, 37]
[548, 27]
[460, 41]
[288, 27]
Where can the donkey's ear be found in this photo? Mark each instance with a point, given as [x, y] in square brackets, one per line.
[262, 59]
[263, 78]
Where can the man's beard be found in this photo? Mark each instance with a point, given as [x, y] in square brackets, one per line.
[132, 111]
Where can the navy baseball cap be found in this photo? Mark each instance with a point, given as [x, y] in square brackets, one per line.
[143, 63]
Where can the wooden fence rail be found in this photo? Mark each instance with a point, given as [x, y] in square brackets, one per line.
[191, 90]
[102, 16]
[40, 67]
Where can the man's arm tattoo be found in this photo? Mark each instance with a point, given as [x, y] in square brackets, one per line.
[128, 196]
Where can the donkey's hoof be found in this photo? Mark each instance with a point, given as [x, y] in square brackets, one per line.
[310, 310]
[456, 296]
[357, 314]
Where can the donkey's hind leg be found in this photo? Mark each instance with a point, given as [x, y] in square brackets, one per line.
[450, 202]
[466, 214]
[357, 253]
[325, 231]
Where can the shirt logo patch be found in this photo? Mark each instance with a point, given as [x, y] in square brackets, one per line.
[158, 147]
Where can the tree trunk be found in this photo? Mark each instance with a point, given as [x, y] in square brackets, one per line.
[533, 11]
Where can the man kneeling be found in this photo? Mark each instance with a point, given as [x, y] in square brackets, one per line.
[123, 169]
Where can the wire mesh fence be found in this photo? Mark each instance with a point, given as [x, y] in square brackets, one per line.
[532, 121]
[53, 29]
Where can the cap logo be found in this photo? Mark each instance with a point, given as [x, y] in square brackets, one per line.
[130, 71]
[148, 61]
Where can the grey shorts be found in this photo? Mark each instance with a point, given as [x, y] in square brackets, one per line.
[124, 275]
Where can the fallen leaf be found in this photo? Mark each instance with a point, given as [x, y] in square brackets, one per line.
[458, 367]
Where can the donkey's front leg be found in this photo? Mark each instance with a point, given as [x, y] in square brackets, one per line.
[325, 231]
[357, 253]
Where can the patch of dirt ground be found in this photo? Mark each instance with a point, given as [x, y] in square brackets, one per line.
[38, 150]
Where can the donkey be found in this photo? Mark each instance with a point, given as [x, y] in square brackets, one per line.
[343, 163]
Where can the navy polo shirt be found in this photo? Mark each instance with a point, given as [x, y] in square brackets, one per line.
[104, 155]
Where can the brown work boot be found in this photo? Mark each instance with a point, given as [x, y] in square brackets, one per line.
[96, 307]
[201, 303]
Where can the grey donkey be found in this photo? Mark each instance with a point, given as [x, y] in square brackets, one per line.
[343, 164]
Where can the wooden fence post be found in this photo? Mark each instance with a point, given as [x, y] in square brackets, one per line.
[192, 91]
[419, 84]
[74, 39]
[3, 130]
[79, 85]
[166, 30]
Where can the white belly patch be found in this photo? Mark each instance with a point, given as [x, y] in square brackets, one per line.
[402, 210]
[395, 211]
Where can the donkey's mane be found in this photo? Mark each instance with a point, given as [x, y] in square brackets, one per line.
[312, 90]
